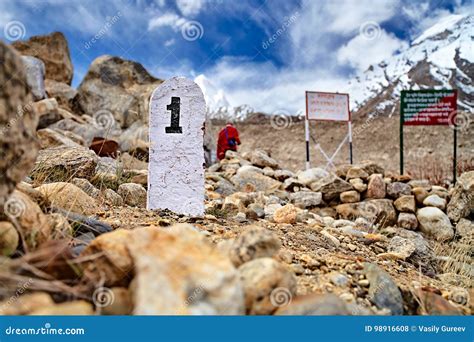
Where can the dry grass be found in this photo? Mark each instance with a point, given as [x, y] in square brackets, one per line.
[457, 257]
[437, 172]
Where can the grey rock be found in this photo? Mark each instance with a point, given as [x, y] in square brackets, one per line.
[306, 199]
[383, 292]
[35, 72]
[397, 189]
[331, 187]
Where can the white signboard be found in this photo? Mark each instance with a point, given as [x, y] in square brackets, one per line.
[327, 106]
[176, 162]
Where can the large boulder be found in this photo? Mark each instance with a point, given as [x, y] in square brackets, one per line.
[18, 123]
[53, 50]
[376, 211]
[63, 163]
[117, 86]
[435, 223]
[178, 272]
[462, 199]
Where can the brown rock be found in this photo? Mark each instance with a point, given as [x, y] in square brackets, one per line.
[74, 308]
[26, 303]
[462, 200]
[331, 187]
[420, 194]
[267, 284]
[9, 238]
[356, 172]
[53, 50]
[62, 92]
[407, 221]
[112, 262]
[62, 163]
[376, 187]
[178, 272]
[120, 302]
[119, 87]
[69, 197]
[433, 304]
[18, 123]
[285, 214]
[405, 203]
[351, 196]
[358, 184]
[133, 194]
[253, 243]
[376, 211]
[34, 224]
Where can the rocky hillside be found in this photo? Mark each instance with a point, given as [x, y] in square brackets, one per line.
[75, 237]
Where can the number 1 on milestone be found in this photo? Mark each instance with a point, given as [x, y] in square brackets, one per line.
[174, 107]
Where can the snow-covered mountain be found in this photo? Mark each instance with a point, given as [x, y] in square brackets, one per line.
[218, 107]
[441, 57]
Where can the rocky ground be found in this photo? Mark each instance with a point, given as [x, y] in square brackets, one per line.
[75, 237]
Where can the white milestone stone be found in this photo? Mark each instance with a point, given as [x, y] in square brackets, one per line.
[176, 166]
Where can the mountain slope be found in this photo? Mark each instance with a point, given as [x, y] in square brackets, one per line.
[441, 57]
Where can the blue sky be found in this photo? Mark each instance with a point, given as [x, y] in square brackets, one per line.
[257, 51]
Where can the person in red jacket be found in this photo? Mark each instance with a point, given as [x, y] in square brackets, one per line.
[228, 139]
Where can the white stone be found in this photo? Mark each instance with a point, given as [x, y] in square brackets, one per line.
[435, 201]
[176, 166]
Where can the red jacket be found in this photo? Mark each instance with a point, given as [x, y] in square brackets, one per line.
[228, 140]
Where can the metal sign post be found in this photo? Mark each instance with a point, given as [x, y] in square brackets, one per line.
[323, 106]
[429, 107]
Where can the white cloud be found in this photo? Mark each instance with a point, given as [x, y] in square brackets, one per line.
[347, 16]
[190, 8]
[361, 52]
[168, 19]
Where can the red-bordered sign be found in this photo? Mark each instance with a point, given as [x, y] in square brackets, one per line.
[327, 106]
